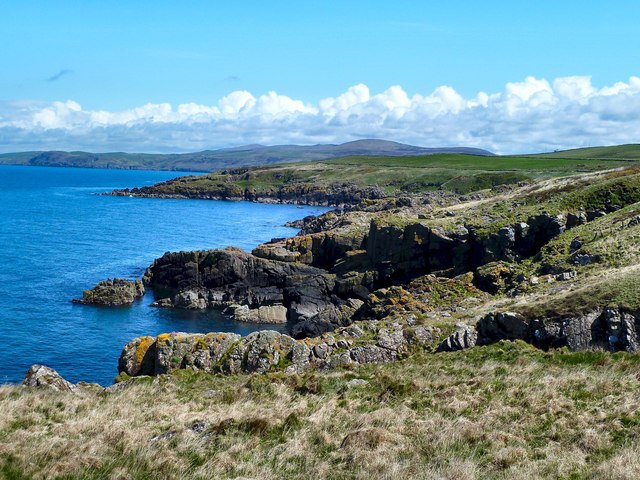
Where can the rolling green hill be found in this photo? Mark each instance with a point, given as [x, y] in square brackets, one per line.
[210, 160]
[619, 152]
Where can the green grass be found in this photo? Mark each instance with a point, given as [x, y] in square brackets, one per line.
[617, 152]
[483, 163]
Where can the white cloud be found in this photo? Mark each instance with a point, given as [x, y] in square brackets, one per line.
[531, 115]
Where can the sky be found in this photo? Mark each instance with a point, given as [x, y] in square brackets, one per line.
[169, 76]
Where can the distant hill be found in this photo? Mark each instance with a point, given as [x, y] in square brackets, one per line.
[210, 160]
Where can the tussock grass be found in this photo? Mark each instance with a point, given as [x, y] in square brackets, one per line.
[503, 411]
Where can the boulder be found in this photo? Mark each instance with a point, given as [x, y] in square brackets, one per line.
[262, 314]
[44, 377]
[138, 357]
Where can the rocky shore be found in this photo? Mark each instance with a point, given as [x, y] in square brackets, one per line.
[384, 275]
[338, 194]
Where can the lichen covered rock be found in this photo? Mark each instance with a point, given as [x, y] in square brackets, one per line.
[113, 293]
[266, 350]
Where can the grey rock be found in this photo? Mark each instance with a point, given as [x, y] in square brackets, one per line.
[501, 326]
[576, 244]
[357, 382]
[372, 354]
[263, 314]
[199, 426]
[259, 352]
[564, 276]
[464, 337]
[321, 351]
[595, 214]
[585, 259]
[44, 377]
[392, 339]
[576, 219]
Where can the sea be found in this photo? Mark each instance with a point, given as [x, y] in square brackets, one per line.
[60, 236]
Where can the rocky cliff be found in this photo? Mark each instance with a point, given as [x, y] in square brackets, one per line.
[537, 263]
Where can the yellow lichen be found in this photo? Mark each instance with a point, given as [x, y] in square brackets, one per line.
[141, 351]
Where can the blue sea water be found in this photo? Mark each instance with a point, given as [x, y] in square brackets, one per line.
[59, 237]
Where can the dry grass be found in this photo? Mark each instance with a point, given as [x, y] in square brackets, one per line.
[504, 411]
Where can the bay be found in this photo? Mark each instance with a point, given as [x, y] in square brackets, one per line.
[58, 236]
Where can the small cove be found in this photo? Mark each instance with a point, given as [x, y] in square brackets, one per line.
[59, 237]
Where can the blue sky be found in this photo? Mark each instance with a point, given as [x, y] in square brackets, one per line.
[117, 56]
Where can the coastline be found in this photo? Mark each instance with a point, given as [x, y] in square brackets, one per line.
[96, 238]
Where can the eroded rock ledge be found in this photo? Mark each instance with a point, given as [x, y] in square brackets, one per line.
[263, 351]
[321, 281]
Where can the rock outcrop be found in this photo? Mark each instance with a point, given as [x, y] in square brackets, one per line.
[44, 377]
[252, 288]
[336, 194]
[612, 329]
[465, 336]
[113, 293]
[264, 351]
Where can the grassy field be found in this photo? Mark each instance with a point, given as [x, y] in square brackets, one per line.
[624, 152]
[450, 172]
[459, 173]
[503, 411]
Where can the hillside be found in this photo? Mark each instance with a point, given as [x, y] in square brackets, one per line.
[503, 411]
[333, 181]
[622, 152]
[210, 160]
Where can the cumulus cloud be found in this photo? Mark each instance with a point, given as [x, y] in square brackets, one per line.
[529, 115]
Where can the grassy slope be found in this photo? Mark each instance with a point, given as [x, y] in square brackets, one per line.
[625, 152]
[504, 411]
[613, 279]
[453, 172]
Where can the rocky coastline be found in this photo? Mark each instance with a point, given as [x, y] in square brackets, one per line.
[371, 282]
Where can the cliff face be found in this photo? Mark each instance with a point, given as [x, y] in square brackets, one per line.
[324, 280]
